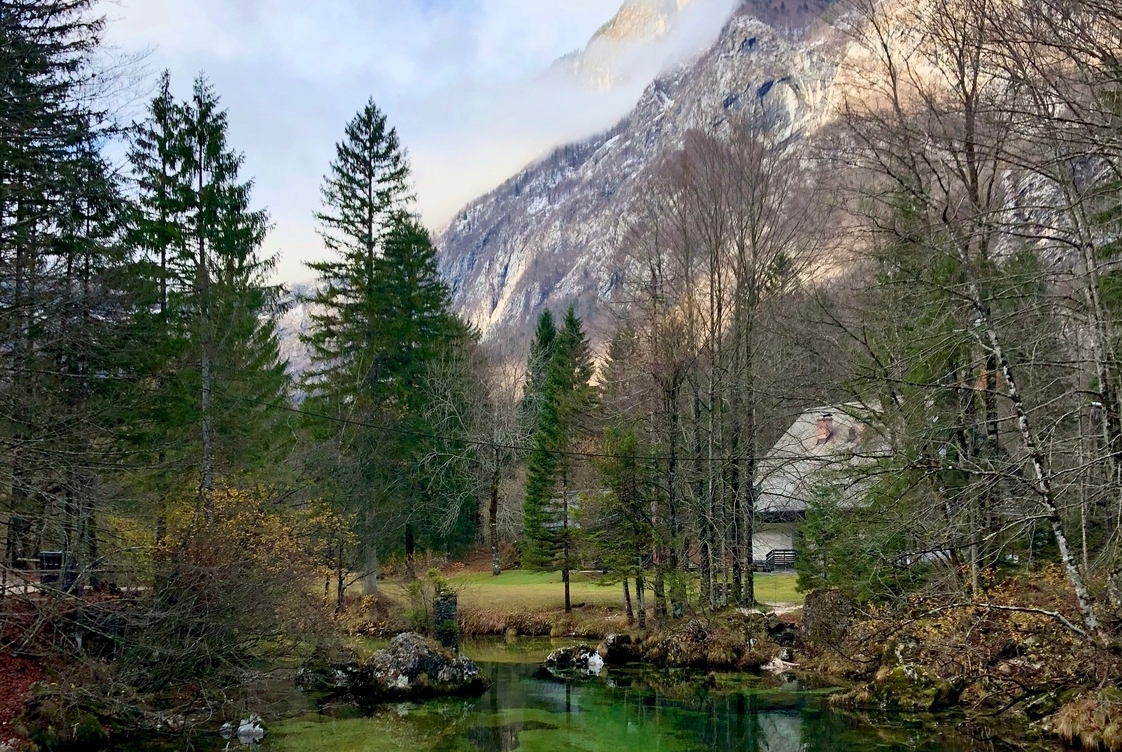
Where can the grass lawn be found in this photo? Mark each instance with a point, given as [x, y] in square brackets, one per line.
[534, 591]
[777, 588]
[516, 590]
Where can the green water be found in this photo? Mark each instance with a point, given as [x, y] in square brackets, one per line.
[623, 711]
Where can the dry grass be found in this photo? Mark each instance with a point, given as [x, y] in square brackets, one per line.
[1092, 722]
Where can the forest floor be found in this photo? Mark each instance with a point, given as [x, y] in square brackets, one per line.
[16, 677]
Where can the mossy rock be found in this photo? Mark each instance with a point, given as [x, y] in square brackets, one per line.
[911, 688]
[89, 734]
[1045, 704]
[54, 728]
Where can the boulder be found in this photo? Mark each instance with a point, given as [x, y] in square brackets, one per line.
[618, 650]
[911, 688]
[579, 662]
[783, 634]
[327, 671]
[249, 731]
[779, 666]
[414, 667]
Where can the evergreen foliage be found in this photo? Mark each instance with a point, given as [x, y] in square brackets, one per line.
[564, 396]
[380, 322]
[616, 523]
[60, 280]
[203, 299]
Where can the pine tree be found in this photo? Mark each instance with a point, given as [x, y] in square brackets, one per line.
[380, 321]
[204, 296]
[564, 399]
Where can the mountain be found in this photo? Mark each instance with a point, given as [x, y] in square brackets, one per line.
[621, 45]
[545, 238]
[294, 322]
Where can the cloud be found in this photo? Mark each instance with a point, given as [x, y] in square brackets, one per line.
[460, 79]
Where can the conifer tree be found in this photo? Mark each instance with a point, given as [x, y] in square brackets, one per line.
[380, 320]
[564, 399]
[365, 190]
[59, 278]
[537, 368]
[206, 299]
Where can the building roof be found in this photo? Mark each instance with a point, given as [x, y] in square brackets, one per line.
[821, 442]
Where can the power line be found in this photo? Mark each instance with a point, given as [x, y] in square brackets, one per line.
[485, 443]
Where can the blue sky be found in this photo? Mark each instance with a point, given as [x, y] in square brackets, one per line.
[460, 79]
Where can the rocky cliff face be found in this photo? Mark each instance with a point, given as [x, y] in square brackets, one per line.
[546, 237]
[617, 48]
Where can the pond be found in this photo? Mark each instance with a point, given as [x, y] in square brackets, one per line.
[623, 711]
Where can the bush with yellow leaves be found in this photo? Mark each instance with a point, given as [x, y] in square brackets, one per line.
[229, 591]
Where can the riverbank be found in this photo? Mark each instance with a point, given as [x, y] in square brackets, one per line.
[532, 603]
[1013, 661]
[1017, 671]
[628, 709]
[1014, 658]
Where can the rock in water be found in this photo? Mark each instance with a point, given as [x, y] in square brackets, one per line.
[617, 650]
[414, 667]
[579, 662]
[249, 731]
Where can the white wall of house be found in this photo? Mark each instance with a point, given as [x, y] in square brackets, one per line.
[769, 536]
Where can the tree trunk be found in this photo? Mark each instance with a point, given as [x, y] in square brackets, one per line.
[660, 595]
[640, 600]
[370, 570]
[656, 562]
[206, 485]
[627, 602]
[340, 577]
[679, 550]
[703, 553]
[410, 554]
[493, 519]
[565, 551]
[1043, 485]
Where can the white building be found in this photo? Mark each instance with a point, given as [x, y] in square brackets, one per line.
[808, 457]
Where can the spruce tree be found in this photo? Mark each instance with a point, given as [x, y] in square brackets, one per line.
[537, 369]
[380, 320]
[365, 192]
[564, 399]
[538, 413]
[241, 375]
[60, 263]
[205, 300]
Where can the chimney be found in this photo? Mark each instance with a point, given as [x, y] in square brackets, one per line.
[825, 427]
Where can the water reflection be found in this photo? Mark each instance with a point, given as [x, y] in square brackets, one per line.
[648, 712]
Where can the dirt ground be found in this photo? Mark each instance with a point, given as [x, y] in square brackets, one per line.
[16, 677]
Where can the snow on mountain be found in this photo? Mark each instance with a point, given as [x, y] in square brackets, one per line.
[545, 237]
[295, 321]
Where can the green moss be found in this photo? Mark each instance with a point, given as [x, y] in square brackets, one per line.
[912, 689]
[388, 732]
[89, 734]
